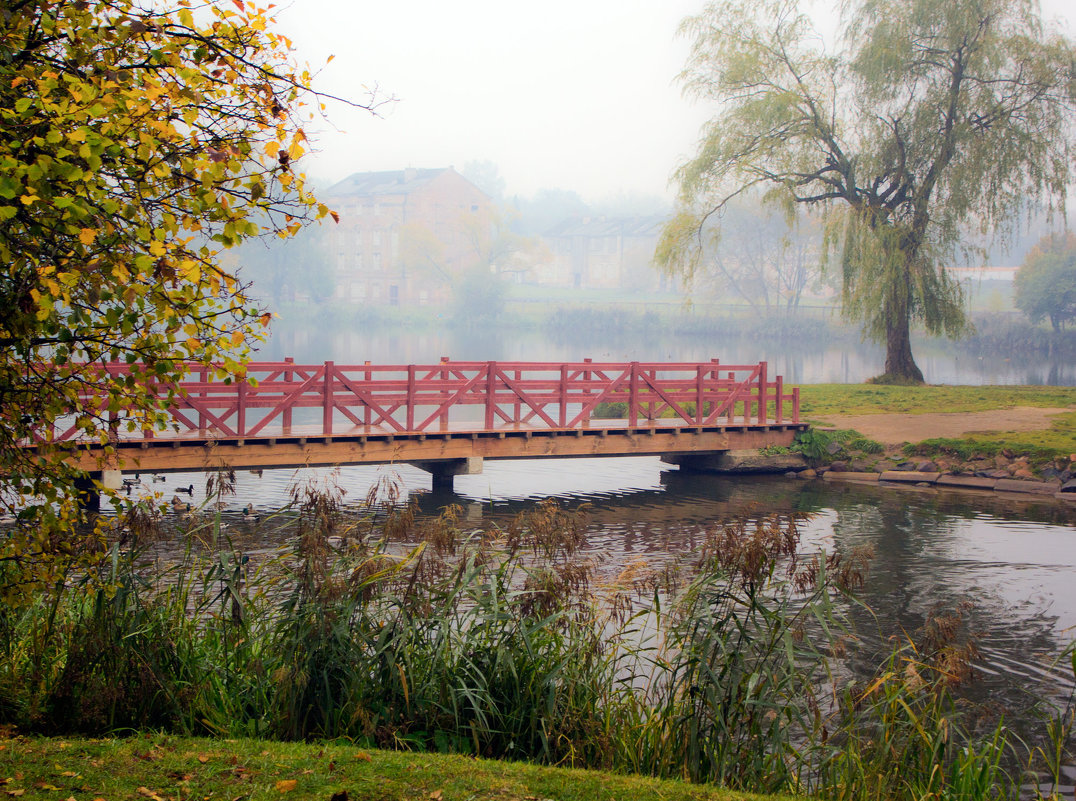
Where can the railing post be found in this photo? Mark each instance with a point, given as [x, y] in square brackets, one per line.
[366, 415]
[633, 395]
[587, 393]
[699, 373]
[203, 377]
[715, 374]
[735, 394]
[779, 385]
[517, 407]
[443, 416]
[410, 397]
[286, 414]
[795, 404]
[241, 411]
[762, 379]
[490, 394]
[563, 420]
[327, 400]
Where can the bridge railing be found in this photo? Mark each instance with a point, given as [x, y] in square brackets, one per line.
[286, 398]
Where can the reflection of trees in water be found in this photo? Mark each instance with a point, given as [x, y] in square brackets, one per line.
[912, 579]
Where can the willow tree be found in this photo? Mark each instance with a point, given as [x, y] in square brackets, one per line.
[137, 142]
[926, 121]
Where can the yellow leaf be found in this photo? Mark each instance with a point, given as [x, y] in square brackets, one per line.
[237, 337]
[363, 756]
[87, 235]
[436, 795]
[286, 785]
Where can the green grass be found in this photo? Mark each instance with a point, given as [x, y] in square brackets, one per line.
[818, 401]
[156, 766]
[824, 401]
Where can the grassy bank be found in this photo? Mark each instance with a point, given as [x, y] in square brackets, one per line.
[829, 402]
[167, 767]
[817, 401]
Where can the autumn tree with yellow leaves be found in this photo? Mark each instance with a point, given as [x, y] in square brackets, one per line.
[138, 142]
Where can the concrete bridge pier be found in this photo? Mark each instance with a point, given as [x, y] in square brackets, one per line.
[736, 461]
[88, 488]
[444, 471]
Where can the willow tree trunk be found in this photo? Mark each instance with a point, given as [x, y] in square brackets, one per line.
[900, 365]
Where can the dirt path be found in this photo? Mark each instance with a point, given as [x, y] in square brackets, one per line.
[894, 429]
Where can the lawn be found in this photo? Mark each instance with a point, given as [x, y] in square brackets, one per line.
[159, 767]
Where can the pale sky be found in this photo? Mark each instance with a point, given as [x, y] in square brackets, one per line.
[578, 95]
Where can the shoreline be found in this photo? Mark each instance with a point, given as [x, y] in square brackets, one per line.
[903, 479]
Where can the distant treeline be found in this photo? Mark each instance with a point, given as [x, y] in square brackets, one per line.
[1013, 334]
[569, 323]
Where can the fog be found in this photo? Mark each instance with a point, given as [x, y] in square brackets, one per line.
[579, 96]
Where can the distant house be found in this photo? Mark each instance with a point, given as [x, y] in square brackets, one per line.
[404, 236]
[603, 253]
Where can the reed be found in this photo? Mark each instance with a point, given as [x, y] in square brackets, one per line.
[405, 632]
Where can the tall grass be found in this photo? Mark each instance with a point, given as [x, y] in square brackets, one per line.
[406, 632]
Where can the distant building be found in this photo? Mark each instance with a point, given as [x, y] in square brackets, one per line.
[603, 253]
[405, 235]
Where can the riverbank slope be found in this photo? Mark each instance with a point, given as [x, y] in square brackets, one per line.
[976, 432]
[159, 767]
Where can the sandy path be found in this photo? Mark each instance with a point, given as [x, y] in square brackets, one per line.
[893, 429]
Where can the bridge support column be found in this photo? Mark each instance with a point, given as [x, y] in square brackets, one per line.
[89, 496]
[444, 471]
[736, 461]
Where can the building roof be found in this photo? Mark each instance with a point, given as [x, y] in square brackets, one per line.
[385, 182]
[645, 226]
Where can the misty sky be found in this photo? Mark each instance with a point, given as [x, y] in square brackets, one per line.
[578, 95]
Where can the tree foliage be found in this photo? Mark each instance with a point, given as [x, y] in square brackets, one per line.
[1046, 281]
[930, 118]
[138, 142]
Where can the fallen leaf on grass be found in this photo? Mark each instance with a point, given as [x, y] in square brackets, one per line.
[16, 792]
[152, 796]
[436, 795]
[203, 758]
[286, 785]
[362, 755]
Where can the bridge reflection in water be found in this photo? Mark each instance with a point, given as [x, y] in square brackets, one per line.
[446, 418]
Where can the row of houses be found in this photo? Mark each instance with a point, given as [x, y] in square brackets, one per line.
[405, 236]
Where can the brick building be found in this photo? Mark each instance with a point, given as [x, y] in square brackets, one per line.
[405, 235]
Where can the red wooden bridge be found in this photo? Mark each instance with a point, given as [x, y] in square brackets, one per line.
[447, 417]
